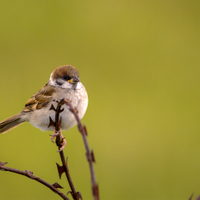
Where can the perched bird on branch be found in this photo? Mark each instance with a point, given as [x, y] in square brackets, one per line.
[64, 83]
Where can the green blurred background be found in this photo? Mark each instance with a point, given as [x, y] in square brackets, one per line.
[140, 63]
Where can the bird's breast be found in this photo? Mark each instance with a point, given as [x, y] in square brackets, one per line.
[79, 99]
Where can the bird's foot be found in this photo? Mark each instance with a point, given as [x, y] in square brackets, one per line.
[55, 134]
[62, 142]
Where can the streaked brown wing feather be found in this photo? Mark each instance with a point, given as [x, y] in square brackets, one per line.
[40, 99]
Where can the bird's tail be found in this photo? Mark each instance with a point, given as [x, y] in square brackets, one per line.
[10, 123]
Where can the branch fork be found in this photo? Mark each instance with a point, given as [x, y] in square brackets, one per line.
[61, 143]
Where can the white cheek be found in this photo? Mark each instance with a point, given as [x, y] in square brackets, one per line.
[66, 85]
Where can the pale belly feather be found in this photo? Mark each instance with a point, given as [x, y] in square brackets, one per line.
[79, 99]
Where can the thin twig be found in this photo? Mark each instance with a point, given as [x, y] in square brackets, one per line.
[89, 154]
[29, 174]
[59, 141]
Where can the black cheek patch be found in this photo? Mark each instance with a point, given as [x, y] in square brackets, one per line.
[59, 82]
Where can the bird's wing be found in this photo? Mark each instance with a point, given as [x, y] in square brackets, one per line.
[39, 100]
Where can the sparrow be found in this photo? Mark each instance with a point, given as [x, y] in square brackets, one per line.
[64, 83]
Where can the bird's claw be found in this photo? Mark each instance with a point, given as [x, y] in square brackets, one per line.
[63, 143]
[55, 134]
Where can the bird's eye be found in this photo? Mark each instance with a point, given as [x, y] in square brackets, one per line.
[66, 77]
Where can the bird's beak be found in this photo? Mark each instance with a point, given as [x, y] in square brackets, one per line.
[74, 80]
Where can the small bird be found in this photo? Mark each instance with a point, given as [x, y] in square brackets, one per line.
[64, 83]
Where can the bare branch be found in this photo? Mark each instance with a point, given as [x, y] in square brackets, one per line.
[89, 154]
[29, 174]
[60, 141]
